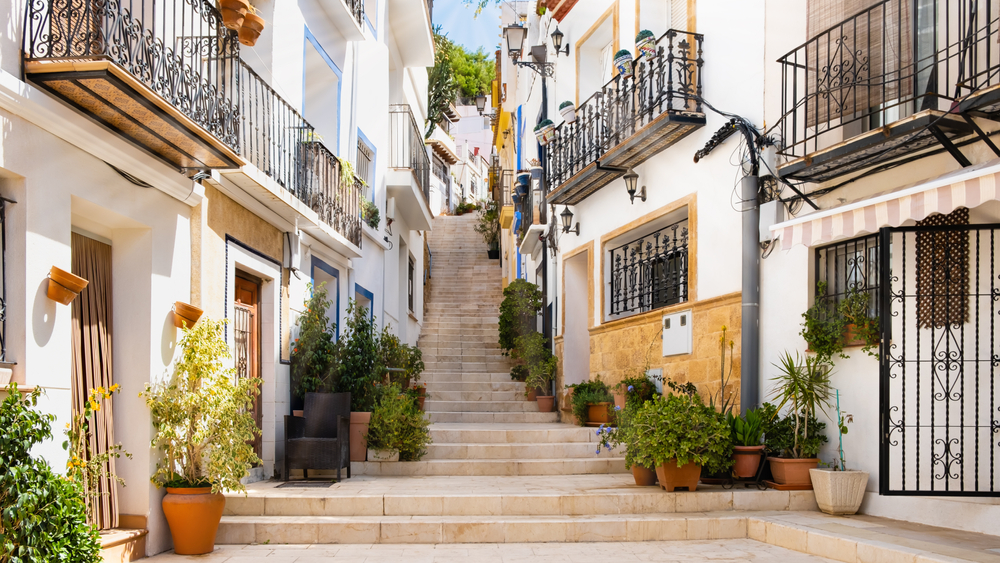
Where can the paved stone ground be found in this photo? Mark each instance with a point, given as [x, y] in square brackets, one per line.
[718, 551]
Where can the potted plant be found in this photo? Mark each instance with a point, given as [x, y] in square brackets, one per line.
[591, 402]
[63, 286]
[645, 45]
[861, 328]
[233, 12]
[567, 111]
[625, 434]
[823, 327]
[205, 428]
[541, 366]
[398, 430]
[540, 135]
[679, 434]
[359, 373]
[488, 227]
[370, 214]
[747, 433]
[623, 63]
[839, 491]
[547, 130]
[315, 352]
[252, 26]
[803, 386]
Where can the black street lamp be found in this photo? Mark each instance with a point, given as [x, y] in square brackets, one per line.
[567, 219]
[557, 41]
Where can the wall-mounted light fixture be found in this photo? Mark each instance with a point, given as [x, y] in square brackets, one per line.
[515, 35]
[557, 41]
[567, 219]
[631, 180]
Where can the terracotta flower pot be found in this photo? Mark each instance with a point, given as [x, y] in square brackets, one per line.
[747, 460]
[644, 476]
[233, 12]
[186, 316]
[359, 428]
[532, 395]
[839, 492]
[193, 515]
[422, 391]
[619, 400]
[420, 402]
[250, 30]
[792, 471]
[546, 403]
[63, 286]
[672, 477]
[598, 413]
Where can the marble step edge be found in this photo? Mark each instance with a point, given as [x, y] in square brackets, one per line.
[492, 467]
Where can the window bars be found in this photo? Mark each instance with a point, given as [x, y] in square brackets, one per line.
[850, 266]
[363, 168]
[650, 272]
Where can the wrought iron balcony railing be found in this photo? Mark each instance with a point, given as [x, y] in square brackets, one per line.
[886, 63]
[501, 183]
[282, 144]
[671, 83]
[650, 272]
[407, 149]
[357, 8]
[179, 49]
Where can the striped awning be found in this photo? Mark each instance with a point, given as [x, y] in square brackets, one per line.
[968, 187]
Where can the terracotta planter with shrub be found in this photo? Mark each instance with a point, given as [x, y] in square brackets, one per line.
[644, 476]
[839, 492]
[792, 471]
[250, 31]
[747, 460]
[233, 12]
[193, 515]
[359, 428]
[672, 477]
[64, 286]
[546, 403]
[598, 413]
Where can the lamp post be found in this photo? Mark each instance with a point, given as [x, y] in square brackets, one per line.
[567, 219]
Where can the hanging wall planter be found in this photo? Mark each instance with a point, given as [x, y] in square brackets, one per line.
[540, 135]
[548, 130]
[252, 26]
[64, 286]
[567, 111]
[186, 316]
[645, 45]
[233, 12]
[623, 63]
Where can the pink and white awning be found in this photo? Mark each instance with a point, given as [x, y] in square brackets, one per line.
[968, 187]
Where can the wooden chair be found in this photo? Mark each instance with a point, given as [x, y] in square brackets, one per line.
[321, 438]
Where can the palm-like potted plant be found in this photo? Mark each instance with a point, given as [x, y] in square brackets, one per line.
[205, 429]
[839, 491]
[804, 387]
[679, 435]
[747, 433]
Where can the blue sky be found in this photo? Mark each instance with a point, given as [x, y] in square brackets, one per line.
[458, 21]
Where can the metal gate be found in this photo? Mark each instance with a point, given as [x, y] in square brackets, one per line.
[940, 360]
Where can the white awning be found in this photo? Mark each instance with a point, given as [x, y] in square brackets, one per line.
[968, 187]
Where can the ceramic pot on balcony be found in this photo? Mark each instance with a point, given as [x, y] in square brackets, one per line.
[548, 130]
[250, 31]
[540, 135]
[63, 286]
[568, 112]
[623, 63]
[233, 12]
[645, 45]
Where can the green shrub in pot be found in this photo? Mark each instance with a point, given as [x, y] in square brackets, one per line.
[589, 393]
[681, 429]
[398, 425]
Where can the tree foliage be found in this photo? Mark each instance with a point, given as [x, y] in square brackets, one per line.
[361, 368]
[314, 352]
[456, 71]
[474, 71]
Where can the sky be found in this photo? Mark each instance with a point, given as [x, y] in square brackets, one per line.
[460, 23]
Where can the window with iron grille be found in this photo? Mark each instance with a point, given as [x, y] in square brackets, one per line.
[409, 284]
[850, 265]
[363, 168]
[440, 170]
[650, 272]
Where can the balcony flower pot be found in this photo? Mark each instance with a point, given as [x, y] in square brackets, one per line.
[359, 433]
[746, 460]
[548, 130]
[63, 286]
[250, 31]
[193, 515]
[546, 403]
[644, 476]
[672, 477]
[540, 135]
[645, 45]
[598, 413]
[233, 13]
[839, 492]
[623, 63]
[788, 471]
[186, 316]
[568, 112]
[383, 455]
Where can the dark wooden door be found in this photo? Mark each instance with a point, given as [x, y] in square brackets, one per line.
[246, 339]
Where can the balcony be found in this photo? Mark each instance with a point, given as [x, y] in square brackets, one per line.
[534, 214]
[629, 120]
[889, 85]
[501, 183]
[408, 179]
[411, 25]
[348, 17]
[163, 75]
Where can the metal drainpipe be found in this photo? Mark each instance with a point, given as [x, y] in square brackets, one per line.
[749, 326]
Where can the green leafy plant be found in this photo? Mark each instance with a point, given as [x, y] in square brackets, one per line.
[538, 359]
[84, 465]
[202, 416]
[346, 171]
[545, 123]
[466, 207]
[804, 386]
[519, 373]
[681, 428]
[566, 104]
[854, 309]
[395, 354]
[637, 389]
[488, 225]
[623, 53]
[823, 327]
[686, 388]
[398, 425]
[360, 366]
[843, 419]
[370, 213]
[522, 300]
[780, 434]
[314, 353]
[442, 86]
[748, 429]
[43, 516]
[588, 393]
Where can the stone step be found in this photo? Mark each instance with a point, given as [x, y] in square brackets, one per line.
[465, 377]
[469, 367]
[513, 434]
[542, 450]
[491, 417]
[469, 356]
[472, 387]
[594, 465]
[438, 405]
[435, 394]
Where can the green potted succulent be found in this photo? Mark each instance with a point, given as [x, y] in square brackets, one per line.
[623, 63]
[679, 434]
[360, 371]
[398, 430]
[567, 111]
[205, 429]
[747, 433]
[839, 490]
[591, 402]
[803, 385]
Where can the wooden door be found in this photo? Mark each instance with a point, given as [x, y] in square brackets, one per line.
[246, 340]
